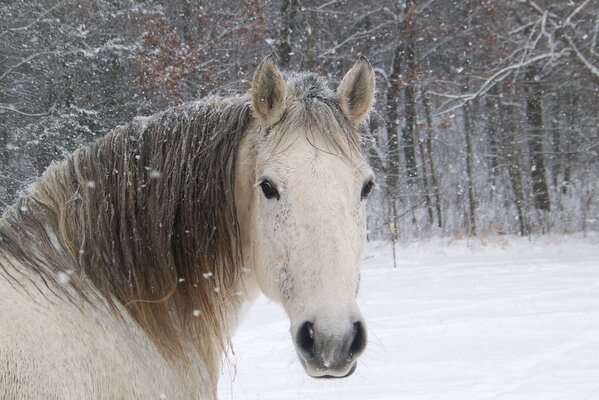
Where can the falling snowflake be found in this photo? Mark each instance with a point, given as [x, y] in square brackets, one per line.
[63, 277]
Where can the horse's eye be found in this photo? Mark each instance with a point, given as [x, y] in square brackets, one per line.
[269, 190]
[366, 189]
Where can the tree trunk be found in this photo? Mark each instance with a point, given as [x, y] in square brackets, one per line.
[288, 13]
[427, 194]
[570, 140]
[491, 105]
[311, 37]
[511, 158]
[429, 155]
[376, 156]
[469, 180]
[393, 159]
[4, 151]
[407, 139]
[556, 166]
[534, 115]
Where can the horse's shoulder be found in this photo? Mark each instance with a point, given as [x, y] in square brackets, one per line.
[47, 344]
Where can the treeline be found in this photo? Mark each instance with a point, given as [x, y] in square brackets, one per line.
[487, 114]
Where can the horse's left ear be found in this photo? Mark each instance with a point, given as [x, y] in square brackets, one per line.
[356, 91]
[268, 92]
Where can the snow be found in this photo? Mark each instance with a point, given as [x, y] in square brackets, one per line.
[63, 277]
[510, 318]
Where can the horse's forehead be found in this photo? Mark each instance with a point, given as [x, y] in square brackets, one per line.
[303, 159]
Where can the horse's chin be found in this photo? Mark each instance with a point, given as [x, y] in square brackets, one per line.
[323, 373]
[351, 371]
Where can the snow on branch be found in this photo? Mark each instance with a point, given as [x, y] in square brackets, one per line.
[568, 20]
[27, 59]
[32, 23]
[492, 81]
[355, 36]
[583, 60]
[13, 109]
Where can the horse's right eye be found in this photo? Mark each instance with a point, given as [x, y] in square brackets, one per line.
[269, 190]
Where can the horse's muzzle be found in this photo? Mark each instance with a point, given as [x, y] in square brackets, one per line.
[329, 354]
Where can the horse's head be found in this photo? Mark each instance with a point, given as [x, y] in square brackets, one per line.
[302, 213]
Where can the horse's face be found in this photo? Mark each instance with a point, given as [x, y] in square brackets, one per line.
[309, 218]
[310, 231]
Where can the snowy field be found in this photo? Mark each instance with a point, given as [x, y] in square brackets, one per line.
[515, 319]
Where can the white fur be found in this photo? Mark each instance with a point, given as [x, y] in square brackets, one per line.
[48, 345]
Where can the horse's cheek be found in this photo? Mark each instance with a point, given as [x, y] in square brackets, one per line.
[271, 254]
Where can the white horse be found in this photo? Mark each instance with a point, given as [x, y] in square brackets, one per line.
[123, 269]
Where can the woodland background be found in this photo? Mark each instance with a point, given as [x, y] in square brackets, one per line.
[487, 112]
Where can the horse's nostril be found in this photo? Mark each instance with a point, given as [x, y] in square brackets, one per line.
[305, 339]
[359, 341]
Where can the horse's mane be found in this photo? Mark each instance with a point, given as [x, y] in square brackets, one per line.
[145, 217]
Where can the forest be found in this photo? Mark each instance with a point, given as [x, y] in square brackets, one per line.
[486, 118]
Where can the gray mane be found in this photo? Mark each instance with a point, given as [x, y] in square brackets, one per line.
[139, 216]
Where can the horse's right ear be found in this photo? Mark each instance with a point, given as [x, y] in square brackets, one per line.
[268, 92]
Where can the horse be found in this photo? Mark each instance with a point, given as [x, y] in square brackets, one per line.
[124, 268]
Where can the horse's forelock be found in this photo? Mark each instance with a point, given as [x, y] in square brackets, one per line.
[313, 106]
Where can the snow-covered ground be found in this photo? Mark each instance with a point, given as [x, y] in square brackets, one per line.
[509, 319]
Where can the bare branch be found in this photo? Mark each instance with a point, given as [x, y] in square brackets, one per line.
[382, 73]
[13, 109]
[38, 19]
[568, 20]
[537, 8]
[594, 42]
[493, 80]
[582, 59]
[31, 57]
[355, 36]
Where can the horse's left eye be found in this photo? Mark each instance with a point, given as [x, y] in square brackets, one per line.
[269, 190]
[366, 189]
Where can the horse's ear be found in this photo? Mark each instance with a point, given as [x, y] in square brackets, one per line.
[268, 92]
[356, 91]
